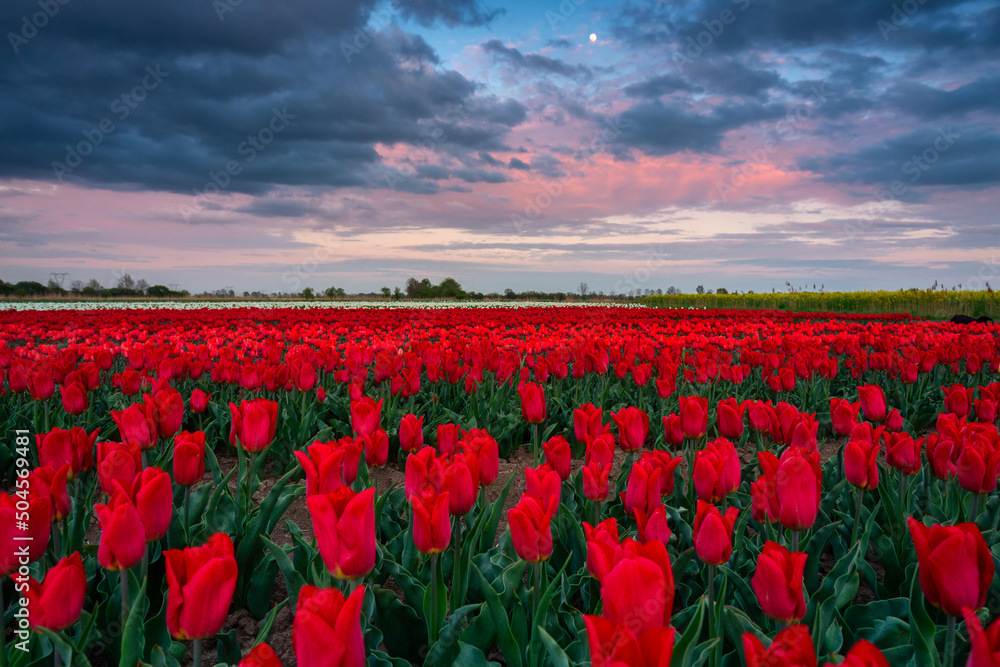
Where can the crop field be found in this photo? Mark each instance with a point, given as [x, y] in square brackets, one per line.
[529, 486]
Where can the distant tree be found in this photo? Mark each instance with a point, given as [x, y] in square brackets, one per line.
[55, 287]
[584, 289]
[76, 286]
[126, 282]
[95, 285]
[412, 287]
[158, 291]
[397, 294]
[386, 292]
[699, 289]
[722, 290]
[449, 287]
[307, 293]
[141, 285]
[509, 293]
[332, 292]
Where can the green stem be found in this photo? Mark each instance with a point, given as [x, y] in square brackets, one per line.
[795, 540]
[595, 512]
[976, 497]
[456, 580]
[433, 627]
[56, 541]
[187, 513]
[857, 517]
[123, 576]
[144, 569]
[535, 439]
[196, 658]
[711, 601]
[949, 644]
[536, 591]
[901, 501]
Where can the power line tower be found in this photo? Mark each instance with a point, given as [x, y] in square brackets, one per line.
[174, 287]
[58, 278]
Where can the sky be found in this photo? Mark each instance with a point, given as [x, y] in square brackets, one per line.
[271, 146]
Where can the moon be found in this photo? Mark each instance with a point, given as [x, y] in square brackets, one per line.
[593, 37]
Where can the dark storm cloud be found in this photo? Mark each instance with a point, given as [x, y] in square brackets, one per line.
[661, 129]
[926, 102]
[163, 96]
[779, 24]
[533, 61]
[947, 155]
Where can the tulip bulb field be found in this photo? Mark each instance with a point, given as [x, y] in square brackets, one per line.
[497, 486]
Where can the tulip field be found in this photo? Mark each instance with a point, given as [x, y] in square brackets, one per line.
[497, 486]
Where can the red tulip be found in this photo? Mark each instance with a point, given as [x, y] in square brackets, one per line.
[902, 452]
[713, 533]
[794, 484]
[123, 537]
[117, 461]
[12, 538]
[531, 527]
[956, 568]
[978, 463]
[189, 458]
[633, 426]
[411, 433]
[872, 402]
[600, 450]
[168, 408]
[74, 447]
[666, 385]
[253, 424]
[643, 489]
[957, 399]
[595, 481]
[666, 464]
[461, 483]
[863, 654]
[344, 525]
[558, 455]
[843, 415]
[716, 470]
[694, 416]
[729, 416]
[602, 547]
[792, 647]
[587, 422]
[777, 582]
[533, 407]
[330, 465]
[55, 603]
[40, 384]
[942, 456]
[50, 482]
[153, 497]
[673, 434]
[986, 410]
[448, 436]
[894, 420]
[639, 589]
[985, 643]
[431, 522]
[543, 482]
[304, 376]
[327, 628]
[200, 586]
[655, 527]
[376, 446]
[760, 505]
[487, 453]
[866, 432]
[199, 401]
[763, 418]
[74, 398]
[366, 415]
[861, 464]
[424, 472]
[613, 645]
[137, 423]
[261, 655]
